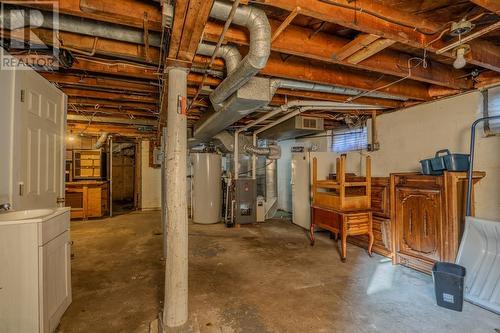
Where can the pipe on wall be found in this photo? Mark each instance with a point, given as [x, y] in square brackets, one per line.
[13, 18]
[255, 20]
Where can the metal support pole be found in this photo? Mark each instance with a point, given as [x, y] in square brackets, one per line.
[175, 312]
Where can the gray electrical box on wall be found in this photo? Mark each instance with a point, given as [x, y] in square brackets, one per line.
[246, 196]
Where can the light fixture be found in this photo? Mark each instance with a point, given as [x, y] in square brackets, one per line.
[460, 52]
[71, 137]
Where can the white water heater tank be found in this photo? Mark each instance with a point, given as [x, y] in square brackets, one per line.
[207, 187]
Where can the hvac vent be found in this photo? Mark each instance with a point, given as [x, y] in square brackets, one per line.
[294, 127]
[310, 123]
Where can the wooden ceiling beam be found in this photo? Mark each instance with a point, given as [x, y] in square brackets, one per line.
[95, 102]
[370, 50]
[124, 130]
[118, 68]
[410, 29]
[114, 120]
[326, 47]
[181, 9]
[320, 72]
[196, 18]
[70, 79]
[491, 5]
[361, 41]
[116, 112]
[83, 43]
[74, 92]
[124, 12]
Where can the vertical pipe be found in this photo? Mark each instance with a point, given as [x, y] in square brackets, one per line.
[468, 207]
[175, 313]
[254, 157]
[236, 155]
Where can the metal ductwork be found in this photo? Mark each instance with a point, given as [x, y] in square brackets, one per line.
[230, 54]
[102, 140]
[255, 20]
[12, 18]
[308, 86]
[240, 93]
[272, 151]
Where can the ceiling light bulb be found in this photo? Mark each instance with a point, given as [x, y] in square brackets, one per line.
[460, 61]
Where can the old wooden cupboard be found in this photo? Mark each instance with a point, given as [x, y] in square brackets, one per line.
[418, 219]
[428, 217]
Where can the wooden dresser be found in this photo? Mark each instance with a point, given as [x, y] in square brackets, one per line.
[381, 210]
[428, 217]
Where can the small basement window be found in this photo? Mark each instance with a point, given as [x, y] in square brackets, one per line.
[349, 139]
[493, 97]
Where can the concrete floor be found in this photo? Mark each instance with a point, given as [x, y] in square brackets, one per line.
[262, 278]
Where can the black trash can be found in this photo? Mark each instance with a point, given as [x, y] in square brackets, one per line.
[449, 285]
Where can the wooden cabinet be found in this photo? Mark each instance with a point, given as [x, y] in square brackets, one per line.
[87, 198]
[428, 217]
[381, 210]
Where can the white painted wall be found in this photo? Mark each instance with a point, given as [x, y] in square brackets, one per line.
[151, 181]
[409, 135]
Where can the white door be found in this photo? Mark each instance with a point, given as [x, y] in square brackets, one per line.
[301, 192]
[39, 128]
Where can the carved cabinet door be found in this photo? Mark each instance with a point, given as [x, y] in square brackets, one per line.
[418, 217]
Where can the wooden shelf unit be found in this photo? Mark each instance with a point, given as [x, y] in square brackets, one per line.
[87, 164]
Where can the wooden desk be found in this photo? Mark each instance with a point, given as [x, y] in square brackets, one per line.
[87, 198]
[345, 223]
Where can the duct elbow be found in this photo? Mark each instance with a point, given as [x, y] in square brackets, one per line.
[272, 152]
[255, 20]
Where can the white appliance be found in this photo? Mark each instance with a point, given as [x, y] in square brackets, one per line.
[35, 274]
[301, 182]
[207, 187]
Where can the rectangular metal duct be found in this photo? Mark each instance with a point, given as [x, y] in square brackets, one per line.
[253, 95]
[293, 128]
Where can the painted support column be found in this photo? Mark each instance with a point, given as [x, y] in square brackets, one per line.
[175, 312]
[164, 221]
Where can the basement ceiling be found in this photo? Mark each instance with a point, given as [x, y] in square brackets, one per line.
[115, 85]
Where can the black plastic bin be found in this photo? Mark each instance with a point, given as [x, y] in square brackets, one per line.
[449, 285]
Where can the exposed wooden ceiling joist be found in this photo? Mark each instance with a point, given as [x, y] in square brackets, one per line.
[124, 130]
[370, 50]
[110, 103]
[388, 23]
[325, 47]
[125, 12]
[196, 18]
[361, 41]
[491, 5]
[115, 120]
[117, 97]
[99, 81]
